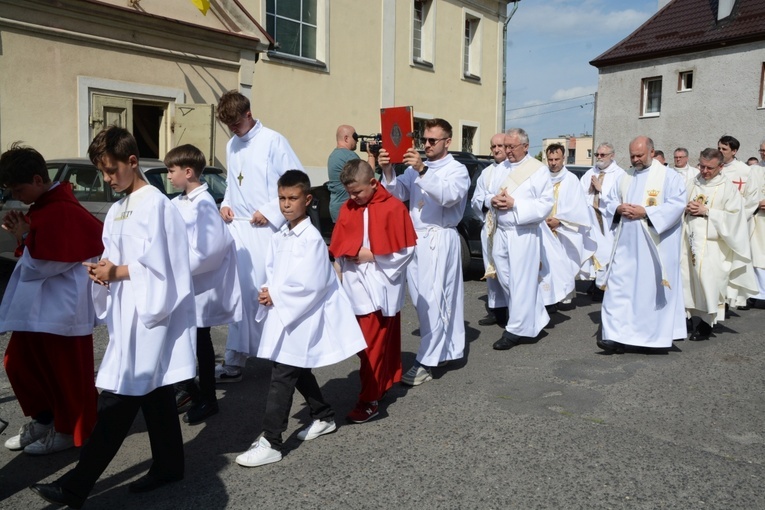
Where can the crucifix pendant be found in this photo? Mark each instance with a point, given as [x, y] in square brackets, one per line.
[240, 177]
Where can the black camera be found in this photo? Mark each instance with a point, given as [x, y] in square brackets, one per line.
[371, 143]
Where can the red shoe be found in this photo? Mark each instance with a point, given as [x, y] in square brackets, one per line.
[363, 412]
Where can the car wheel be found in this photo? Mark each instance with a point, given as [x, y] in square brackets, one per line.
[464, 255]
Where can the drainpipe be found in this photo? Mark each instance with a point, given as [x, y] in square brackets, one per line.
[504, 64]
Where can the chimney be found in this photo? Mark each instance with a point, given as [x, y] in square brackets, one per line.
[724, 8]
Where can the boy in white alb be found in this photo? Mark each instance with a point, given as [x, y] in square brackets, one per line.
[143, 289]
[309, 323]
[212, 258]
[255, 157]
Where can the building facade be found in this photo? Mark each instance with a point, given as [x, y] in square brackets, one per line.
[692, 73]
[158, 67]
[578, 149]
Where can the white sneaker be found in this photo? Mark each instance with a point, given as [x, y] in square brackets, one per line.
[260, 453]
[227, 373]
[28, 434]
[52, 442]
[316, 428]
[416, 375]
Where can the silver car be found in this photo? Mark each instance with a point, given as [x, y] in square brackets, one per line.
[88, 187]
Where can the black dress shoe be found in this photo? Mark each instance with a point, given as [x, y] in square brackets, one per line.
[507, 341]
[743, 307]
[54, 493]
[201, 411]
[489, 320]
[551, 309]
[611, 346]
[756, 303]
[148, 483]
[702, 332]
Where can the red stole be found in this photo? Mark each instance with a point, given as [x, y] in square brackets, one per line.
[390, 227]
[61, 229]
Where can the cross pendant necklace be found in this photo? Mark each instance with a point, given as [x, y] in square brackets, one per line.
[240, 177]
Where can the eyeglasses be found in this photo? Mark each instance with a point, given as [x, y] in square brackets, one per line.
[432, 141]
[513, 147]
[761, 151]
[602, 154]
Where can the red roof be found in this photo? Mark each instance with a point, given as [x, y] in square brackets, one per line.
[686, 26]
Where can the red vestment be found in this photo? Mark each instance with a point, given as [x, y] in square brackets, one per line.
[390, 231]
[52, 372]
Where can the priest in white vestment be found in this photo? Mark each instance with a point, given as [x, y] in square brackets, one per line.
[486, 186]
[682, 166]
[437, 193]
[255, 157]
[566, 241]
[715, 244]
[596, 183]
[748, 184]
[643, 301]
[525, 200]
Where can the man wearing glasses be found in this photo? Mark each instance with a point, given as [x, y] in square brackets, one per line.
[523, 203]
[597, 182]
[486, 187]
[681, 164]
[437, 193]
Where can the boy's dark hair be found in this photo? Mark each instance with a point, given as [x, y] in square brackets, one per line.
[297, 178]
[356, 170]
[730, 142]
[114, 141]
[19, 165]
[231, 106]
[186, 156]
[445, 126]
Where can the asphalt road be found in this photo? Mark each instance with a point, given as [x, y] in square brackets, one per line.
[554, 424]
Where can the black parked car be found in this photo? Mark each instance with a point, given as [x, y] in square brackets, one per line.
[469, 228]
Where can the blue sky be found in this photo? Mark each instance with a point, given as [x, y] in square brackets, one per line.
[550, 44]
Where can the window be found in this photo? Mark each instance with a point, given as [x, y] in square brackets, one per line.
[423, 27]
[650, 104]
[589, 153]
[419, 132]
[468, 137]
[293, 24]
[685, 81]
[471, 50]
[762, 86]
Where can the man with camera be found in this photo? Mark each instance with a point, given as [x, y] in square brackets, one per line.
[347, 139]
[437, 192]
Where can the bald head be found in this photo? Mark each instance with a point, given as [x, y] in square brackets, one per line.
[498, 148]
[345, 138]
[641, 152]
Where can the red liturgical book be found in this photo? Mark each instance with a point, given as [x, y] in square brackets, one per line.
[397, 131]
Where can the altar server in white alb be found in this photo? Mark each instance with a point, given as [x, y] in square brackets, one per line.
[525, 200]
[143, 290]
[643, 302]
[748, 182]
[566, 242]
[715, 244]
[486, 186]
[597, 183]
[758, 236]
[255, 157]
[212, 258]
[437, 193]
[308, 322]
